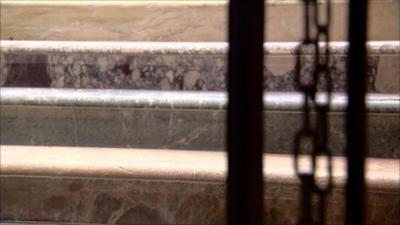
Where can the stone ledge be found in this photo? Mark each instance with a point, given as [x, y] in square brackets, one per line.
[192, 100]
[87, 185]
[195, 48]
[173, 165]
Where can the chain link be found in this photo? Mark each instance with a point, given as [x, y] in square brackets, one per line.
[310, 83]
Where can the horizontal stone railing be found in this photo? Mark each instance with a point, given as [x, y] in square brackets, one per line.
[115, 186]
[173, 120]
[173, 20]
[174, 66]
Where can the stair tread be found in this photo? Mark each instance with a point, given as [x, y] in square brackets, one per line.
[159, 164]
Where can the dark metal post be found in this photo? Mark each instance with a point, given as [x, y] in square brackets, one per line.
[356, 122]
[245, 123]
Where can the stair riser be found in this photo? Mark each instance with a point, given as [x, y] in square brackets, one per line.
[145, 186]
[173, 120]
[175, 66]
[161, 202]
[173, 129]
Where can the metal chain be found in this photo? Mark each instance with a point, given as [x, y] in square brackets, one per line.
[310, 83]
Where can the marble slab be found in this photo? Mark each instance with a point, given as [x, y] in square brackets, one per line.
[175, 66]
[164, 187]
[173, 20]
[173, 129]
[174, 120]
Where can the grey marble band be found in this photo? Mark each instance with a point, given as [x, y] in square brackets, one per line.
[275, 101]
[176, 66]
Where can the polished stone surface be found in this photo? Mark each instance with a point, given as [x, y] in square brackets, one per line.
[115, 186]
[175, 120]
[173, 20]
[192, 100]
[175, 66]
[174, 129]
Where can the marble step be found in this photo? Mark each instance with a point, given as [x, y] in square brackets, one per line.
[118, 186]
[172, 20]
[175, 66]
[174, 120]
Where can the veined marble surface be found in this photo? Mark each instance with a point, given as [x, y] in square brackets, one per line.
[174, 120]
[173, 20]
[59, 184]
[174, 66]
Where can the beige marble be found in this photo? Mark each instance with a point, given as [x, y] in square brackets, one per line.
[172, 20]
[160, 164]
[389, 70]
[112, 186]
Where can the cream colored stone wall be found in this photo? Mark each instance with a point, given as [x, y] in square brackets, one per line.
[171, 20]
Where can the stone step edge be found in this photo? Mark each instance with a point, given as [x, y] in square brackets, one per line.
[198, 48]
[153, 3]
[144, 2]
[273, 101]
[170, 165]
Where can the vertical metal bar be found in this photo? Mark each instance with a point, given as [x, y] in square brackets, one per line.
[245, 121]
[356, 122]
